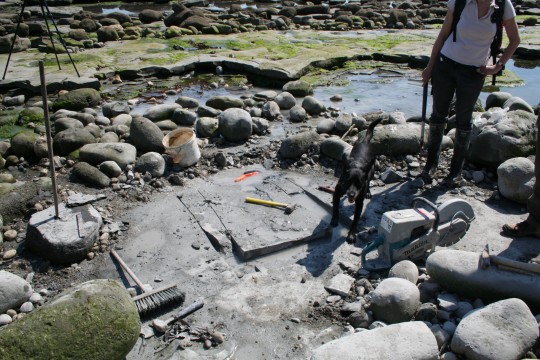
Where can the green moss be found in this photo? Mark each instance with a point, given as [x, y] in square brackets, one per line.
[31, 115]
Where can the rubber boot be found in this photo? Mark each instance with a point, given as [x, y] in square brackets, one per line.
[461, 147]
[436, 133]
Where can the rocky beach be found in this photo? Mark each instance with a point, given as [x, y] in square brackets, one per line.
[166, 117]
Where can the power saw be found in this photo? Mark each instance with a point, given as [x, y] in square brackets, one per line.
[412, 234]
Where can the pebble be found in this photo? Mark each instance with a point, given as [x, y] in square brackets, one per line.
[12, 313]
[160, 325]
[10, 254]
[36, 299]
[218, 337]
[43, 292]
[5, 319]
[26, 307]
[10, 235]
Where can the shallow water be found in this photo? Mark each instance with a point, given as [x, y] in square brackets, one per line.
[377, 91]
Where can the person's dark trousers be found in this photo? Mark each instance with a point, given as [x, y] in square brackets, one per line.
[533, 203]
[449, 78]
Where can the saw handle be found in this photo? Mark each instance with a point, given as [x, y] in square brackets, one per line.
[432, 206]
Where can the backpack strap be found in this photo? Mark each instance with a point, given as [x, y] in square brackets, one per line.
[458, 9]
[495, 48]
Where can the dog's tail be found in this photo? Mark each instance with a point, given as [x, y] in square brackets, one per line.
[369, 132]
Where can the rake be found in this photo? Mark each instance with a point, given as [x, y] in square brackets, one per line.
[150, 301]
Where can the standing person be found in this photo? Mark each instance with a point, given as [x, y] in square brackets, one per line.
[459, 65]
[530, 226]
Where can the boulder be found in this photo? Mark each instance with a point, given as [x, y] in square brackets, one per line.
[270, 110]
[260, 125]
[148, 16]
[343, 122]
[114, 108]
[14, 291]
[107, 33]
[221, 102]
[405, 269]
[497, 99]
[77, 99]
[146, 135]
[395, 300]
[21, 44]
[298, 88]
[110, 168]
[517, 103]
[335, 148]
[187, 102]
[161, 112]
[297, 114]
[458, 271]
[516, 179]
[326, 126]
[503, 330]
[122, 153]
[285, 100]
[22, 144]
[206, 127]
[184, 117]
[296, 145]
[94, 320]
[152, 163]
[69, 140]
[413, 339]
[235, 124]
[90, 175]
[499, 135]
[396, 139]
[313, 106]
[67, 123]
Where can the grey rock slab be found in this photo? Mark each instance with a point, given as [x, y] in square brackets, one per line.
[504, 330]
[340, 284]
[459, 271]
[269, 229]
[66, 239]
[79, 199]
[14, 291]
[410, 340]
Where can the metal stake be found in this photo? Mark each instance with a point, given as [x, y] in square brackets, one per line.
[48, 132]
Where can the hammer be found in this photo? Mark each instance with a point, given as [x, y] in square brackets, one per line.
[507, 264]
[288, 208]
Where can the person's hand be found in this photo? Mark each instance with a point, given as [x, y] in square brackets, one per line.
[490, 69]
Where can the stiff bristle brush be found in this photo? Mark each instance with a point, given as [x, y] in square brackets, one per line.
[150, 301]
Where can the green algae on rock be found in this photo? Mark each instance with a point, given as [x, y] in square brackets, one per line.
[95, 320]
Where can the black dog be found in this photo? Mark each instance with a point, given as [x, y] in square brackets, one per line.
[354, 181]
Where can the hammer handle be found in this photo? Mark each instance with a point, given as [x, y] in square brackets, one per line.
[265, 202]
[528, 267]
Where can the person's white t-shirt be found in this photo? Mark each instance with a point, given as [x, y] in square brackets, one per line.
[474, 35]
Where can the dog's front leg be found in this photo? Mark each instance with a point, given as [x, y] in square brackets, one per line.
[338, 193]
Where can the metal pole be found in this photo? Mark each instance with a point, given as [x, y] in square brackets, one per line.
[48, 132]
[14, 39]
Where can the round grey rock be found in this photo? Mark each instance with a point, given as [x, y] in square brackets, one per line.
[405, 269]
[516, 179]
[235, 124]
[207, 127]
[395, 300]
[296, 145]
[297, 114]
[285, 100]
[152, 163]
[14, 291]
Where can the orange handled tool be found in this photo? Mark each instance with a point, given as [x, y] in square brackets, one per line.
[245, 176]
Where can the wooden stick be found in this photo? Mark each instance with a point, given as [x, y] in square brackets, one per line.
[512, 264]
[198, 304]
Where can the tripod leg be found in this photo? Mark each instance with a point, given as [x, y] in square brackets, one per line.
[50, 36]
[14, 39]
[44, 2]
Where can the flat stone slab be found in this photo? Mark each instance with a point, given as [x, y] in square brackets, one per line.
[66, 239]
[254, 229]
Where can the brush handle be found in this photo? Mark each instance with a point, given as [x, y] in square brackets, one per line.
[128, 270]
